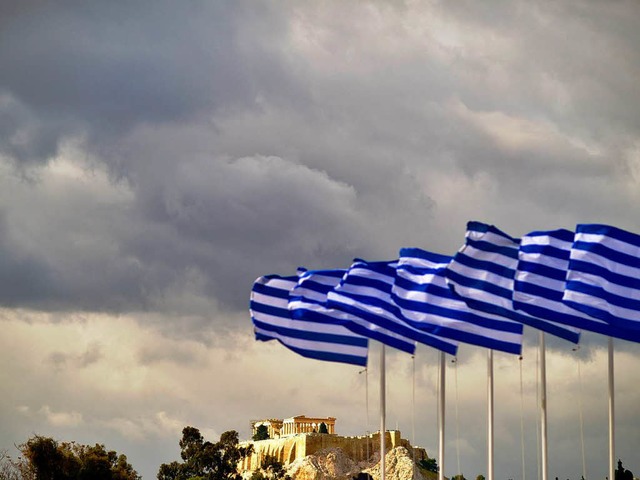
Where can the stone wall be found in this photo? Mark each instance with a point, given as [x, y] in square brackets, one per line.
[287, 450]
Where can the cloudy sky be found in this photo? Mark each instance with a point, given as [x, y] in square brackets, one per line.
[156, 157]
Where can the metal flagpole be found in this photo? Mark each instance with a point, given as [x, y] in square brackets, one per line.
[543, 408]
[581, 416]
[366, 389]
[524, 471]
[413, 415]
[455, 361]
[383, 407]
[490, 414]
[612, 439]
[538, 462]
[441, 419]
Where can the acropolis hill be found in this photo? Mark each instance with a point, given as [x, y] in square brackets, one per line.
[295, 438]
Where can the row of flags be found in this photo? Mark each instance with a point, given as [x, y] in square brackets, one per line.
[559, 281]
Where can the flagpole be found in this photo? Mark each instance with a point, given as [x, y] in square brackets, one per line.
[490, 414]
[612, 439]
[441, 418]
[383, 407]
[543, 408]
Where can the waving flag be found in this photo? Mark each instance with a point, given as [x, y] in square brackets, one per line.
[308, 299]
[603, 279]
[427, 303]
[540, 280]
[483, 271]
[365, 294]
[311, 339]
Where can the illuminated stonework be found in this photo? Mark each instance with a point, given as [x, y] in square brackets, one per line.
[290, 448]
[294, 425]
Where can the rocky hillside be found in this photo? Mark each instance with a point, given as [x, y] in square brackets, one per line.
[333, 464]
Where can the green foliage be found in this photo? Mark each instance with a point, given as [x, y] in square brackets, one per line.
[460, 476]
[262, 433]
[270, 469]
[43, 458]
[621, 473]
[323, 428]
[202, 460]
[480, 477]
[430, 465]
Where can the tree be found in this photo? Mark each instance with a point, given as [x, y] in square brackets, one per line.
[460, 476]
[270, 469]
[480, 477]
[429, 464]
[44, 458]
[262, 433]
[9, 469]
[323, 428]
[273, 468]
[202, 460]
[621, 473]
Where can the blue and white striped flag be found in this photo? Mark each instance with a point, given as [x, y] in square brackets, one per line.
[308, 299]
[427, 303]
[540, 280]
[603, 279]
[365, 294]
[483, 271]
[312, 339]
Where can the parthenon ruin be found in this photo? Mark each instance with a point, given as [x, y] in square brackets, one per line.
[294, 425]
[290, 448]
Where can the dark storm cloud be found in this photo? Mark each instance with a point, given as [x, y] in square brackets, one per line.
[253, 139]
[190, 241]
[235, 220]
[24, 275]
[156, 157]
[24, 135]
[549, 72]
[99, 69]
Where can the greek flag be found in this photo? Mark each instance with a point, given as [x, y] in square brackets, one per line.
[603, 279]
[312, 339]
[365, 294]
[483, 272]
[543, 261]
[427, 303]
[308, 299]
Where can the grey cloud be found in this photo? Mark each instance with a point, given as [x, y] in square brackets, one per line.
[97, 283]
[24, 136]
[243, 218]
[570, 63]
[233, 172]
[97, 70]
[242, 139]
[92, 354]
[150, 355]
[185, 243]
[58, 359]
[24, 275]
